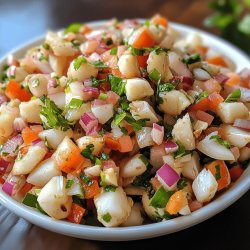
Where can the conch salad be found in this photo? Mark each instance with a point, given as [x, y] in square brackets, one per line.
[122, 124]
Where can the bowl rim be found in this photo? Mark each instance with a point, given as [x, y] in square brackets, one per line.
[239, 188]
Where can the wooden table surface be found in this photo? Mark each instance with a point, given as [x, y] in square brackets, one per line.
[22, 20]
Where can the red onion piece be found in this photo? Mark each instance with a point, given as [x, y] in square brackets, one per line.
[52, 83]
[11, 71]
[242, 123]
[221, 78]
[8, 188]
[13, 184]
[168, 175]
[3, 99]
[170, 147]
[90, 93]
[19, 124]
[3, 166]
[108, 164]
[11, 147]
[88, 122]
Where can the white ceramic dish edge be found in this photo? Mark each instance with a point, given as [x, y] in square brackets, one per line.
[154, 229]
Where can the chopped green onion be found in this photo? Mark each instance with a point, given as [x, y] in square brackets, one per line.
[74, 27]
[30, 200]
[182, 183]
[144, 159]
[234, 96]
[119, 117]
[192, 59]
[74, 104]
[103, 96]
[155, 75]
[86, 179]
[78, 62]
[160, 198]
[117, 84]
[99, 64]
[110, 188]
[87, 152]
[201, 96]
[69, 183]
[113, 51]
[181, 150]
[217, 174]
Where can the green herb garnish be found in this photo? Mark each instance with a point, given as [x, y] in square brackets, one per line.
[160, 198]
[163, 87]
[234, 96]
[113, 51]
[74, 103]
[86, 179]
[201, 96]
[110, 188]
[117, 84]
[155, 75]
[192, 59]
[217, 174]
[119, 117]
[99, 64]
[78, 62]
[104, 156]
[74, 27]
[69, 183]
[182, 183]
[52, 116]
[181, 150]
[218, 139]
[30, 200]
[107, 217]
[87, 152]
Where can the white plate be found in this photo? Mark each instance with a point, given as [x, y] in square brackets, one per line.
[154, 229]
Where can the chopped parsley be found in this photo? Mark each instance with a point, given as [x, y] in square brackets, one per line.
[119, 117]
[101, 132]
[87, 152]
[78, 62]
[46, 46]
[168, 131]
[155, 75]
[42, 57]
[163, 87]
[96, 82]
[35, 83]
[98, 161]
[51, 115]
[69, 183]
[182, 183]
[117, 84]
[30, 200]
[143, 180]
[86, 179]
[74, 27]
[201, 96]
[107, 217]
[136, 125]
[218, 139]
[234, 96]
[217, 174]
[74, 103]
[99, 64]
[113, 51]
[192, 59]
[110, 188]
[181, 150]
[124, 103]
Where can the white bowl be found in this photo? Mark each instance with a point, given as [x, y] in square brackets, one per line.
[150, 230]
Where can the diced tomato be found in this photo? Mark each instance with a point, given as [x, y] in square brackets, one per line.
[217, 60]
[85, 29]
[142, 61]
[112, 97]
[195, 205]
[236, 172]
[144, 39]
[25, 189]
[220, 171]
[116, 72]
[1, 180]
[160, 20]
[68, 156]
[203, 105]
[201, 49]
[91, 190]
[234, 79]
[14, 90]
[204, 116]
[29, 135]
[111, 143]
[76, 213]
[214, 100]
[125, 144]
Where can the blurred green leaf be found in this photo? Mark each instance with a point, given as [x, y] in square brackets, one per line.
[244, 25]
[227, 6]
[218, 20]
[247, 2]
